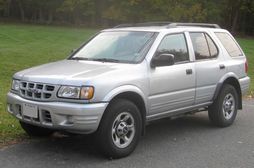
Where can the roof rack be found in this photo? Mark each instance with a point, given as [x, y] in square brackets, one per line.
[172, 25]
[143, 24]
[168, 25]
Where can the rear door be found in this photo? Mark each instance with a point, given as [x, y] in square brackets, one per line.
[209, 65]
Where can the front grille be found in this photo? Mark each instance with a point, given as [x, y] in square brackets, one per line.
[36, 91]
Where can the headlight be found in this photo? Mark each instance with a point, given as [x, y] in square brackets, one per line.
[15, 85]
[72, 92]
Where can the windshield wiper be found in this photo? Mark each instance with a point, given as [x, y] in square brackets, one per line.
[79, 58]
[105, 60]
[95, 59]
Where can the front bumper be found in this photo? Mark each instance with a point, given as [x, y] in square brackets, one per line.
[70, 117]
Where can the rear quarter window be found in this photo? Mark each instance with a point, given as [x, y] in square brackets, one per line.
[229, 44]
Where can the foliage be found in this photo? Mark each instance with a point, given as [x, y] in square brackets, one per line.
[77, 9]
[237, 15]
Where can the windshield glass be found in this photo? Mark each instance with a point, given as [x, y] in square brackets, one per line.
[128, 47]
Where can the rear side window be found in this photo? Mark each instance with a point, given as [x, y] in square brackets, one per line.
[212, 47]
[174, 44]
[229, 44]
[204, 46]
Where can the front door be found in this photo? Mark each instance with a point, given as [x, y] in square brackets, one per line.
[172, 87]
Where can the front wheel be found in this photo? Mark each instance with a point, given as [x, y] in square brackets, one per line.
[223, 111]
[120, 129]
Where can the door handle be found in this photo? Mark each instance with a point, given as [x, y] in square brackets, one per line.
[222, 66]
[188, 71]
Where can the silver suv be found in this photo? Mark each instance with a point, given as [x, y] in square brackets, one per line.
[124, 77]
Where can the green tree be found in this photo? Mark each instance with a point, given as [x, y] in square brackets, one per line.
[237, 15]
[77, 9]
[179, 10]
[125, 11]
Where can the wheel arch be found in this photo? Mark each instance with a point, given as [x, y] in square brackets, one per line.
[231, 80]
[132, 94]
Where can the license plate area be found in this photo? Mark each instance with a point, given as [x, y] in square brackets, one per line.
[30, 110]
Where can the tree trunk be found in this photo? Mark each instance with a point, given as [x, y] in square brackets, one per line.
[235, 23]
[98, 8]
[34, 16]
[7, 8]
[50, 17]
[22, 11]
[236, 16]
[41, 19]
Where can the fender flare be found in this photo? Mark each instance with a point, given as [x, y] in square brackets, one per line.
[122, 89]
[130, 89]
[222, 82]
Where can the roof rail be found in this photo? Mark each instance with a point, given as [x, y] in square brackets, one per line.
[143, 24]
[168, 25]
[172, 25]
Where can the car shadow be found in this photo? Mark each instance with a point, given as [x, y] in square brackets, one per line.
[84, 146]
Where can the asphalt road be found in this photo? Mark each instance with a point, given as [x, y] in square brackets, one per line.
[188, 142]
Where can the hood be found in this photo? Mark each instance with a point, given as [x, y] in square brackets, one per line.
[68, 72]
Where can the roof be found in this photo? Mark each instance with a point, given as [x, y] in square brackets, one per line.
[159, 26]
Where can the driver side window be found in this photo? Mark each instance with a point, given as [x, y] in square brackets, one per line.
[176, 45]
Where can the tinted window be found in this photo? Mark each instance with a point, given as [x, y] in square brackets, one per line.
[212, 47]
[174, 44]
[203, 46]
[229, 44]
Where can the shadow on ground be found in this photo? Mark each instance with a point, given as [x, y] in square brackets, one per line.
[157, 133]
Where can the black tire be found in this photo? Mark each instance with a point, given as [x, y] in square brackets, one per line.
[104, 135]
[35, 131]
[217, 112]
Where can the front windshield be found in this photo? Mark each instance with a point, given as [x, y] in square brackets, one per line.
[128, 47]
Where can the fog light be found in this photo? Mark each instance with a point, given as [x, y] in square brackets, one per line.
[70, 120]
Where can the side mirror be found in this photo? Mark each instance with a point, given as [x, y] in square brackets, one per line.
[163, 60]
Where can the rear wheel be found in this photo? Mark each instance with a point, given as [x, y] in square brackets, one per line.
[35, 131]
[223, 111]
[120, 129]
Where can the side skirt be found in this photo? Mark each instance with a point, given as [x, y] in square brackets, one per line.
[176, 112]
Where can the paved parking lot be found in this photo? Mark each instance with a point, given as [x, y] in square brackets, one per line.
[188, 142]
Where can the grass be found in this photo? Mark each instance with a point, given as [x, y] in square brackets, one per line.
[23, 46]
[248, 48]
